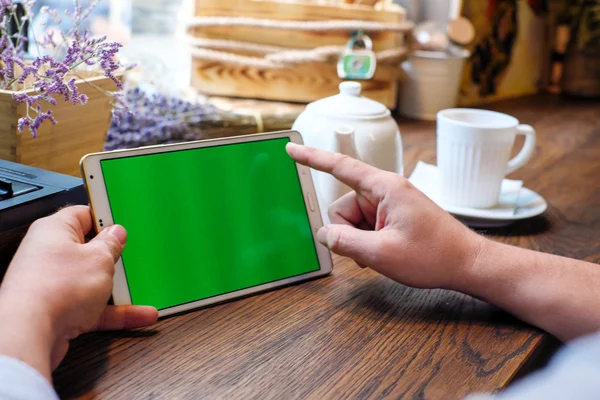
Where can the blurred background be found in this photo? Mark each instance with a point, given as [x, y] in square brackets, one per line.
[147, 28]
[512, 54]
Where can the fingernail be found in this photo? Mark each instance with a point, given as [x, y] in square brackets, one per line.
[322, 235]
[119, 232]
[291, 147]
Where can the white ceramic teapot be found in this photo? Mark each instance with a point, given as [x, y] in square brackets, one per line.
[353, 125]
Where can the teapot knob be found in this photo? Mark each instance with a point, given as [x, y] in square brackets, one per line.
[350, 88]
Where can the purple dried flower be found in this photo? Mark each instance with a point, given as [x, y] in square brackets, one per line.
[51, 77]
[23, 122]
[48, 40]
[6, 6]
[27, 71]
[74, 91]
[34, 124]
[106, 54]
[22, 97]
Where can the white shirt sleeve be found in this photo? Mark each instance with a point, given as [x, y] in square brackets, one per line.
[19, 381]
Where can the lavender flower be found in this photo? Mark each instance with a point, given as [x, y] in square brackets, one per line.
[6, 6]
[35, 124]
[47, 77]
[149, 119]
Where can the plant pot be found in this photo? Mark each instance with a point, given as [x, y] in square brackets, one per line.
[81, 129]
[431, 83]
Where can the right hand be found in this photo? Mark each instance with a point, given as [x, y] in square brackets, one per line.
[388, 225]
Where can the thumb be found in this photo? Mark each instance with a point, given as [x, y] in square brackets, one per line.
[113, 239]
[351, 242]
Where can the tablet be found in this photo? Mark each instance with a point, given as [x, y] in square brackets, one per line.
[208, 221]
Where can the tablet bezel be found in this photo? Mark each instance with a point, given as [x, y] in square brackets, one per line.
[102, 216]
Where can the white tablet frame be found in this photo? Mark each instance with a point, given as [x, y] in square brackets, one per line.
[102, 216]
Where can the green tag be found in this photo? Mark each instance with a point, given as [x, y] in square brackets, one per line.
[355, 62]
[357, 66]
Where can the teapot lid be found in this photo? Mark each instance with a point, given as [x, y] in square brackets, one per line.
[349, 103]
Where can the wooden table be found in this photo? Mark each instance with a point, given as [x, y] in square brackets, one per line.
[356, 334]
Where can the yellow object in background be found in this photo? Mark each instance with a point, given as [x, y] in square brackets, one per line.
[509, 53]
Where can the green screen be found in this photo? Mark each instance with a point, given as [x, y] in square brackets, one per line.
[209, 221]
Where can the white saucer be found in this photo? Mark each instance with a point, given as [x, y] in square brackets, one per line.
[529, 204]
[515, 202]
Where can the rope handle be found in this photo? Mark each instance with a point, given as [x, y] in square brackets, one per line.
[277, 60]
[315, 26]
[275, 57]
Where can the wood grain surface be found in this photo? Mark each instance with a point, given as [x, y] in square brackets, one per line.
[356, 334]
[303, 83]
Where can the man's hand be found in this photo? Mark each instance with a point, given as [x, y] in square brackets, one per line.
[390, 226]
[57, 287]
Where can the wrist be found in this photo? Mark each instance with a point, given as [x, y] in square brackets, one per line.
[494, 271]
[475, 273]
[28, 333]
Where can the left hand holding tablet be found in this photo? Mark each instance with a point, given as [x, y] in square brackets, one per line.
[57, 288]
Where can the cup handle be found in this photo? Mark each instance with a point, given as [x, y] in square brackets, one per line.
[526, 152]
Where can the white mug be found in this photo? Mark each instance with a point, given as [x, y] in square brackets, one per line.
[473, 151]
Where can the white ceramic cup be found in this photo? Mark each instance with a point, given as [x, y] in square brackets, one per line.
[473, 151]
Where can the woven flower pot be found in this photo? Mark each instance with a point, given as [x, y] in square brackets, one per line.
[81, 129]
